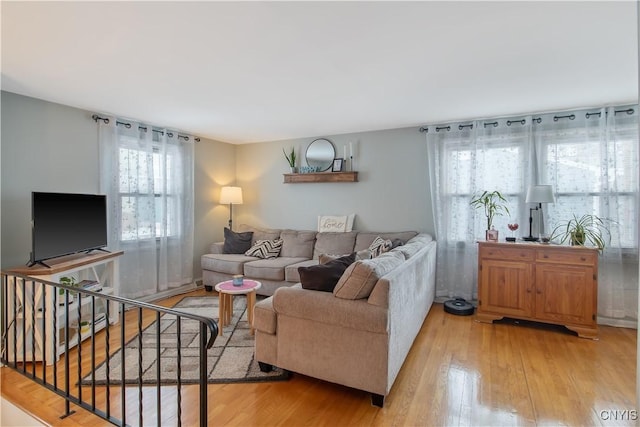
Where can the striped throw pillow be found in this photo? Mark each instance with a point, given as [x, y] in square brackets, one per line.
[265, 249]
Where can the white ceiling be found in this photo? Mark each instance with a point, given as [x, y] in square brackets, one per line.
[258, 71]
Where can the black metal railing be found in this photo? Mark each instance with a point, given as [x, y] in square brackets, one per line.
[48, 328]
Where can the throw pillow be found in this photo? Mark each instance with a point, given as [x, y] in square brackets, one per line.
[324, 277]
[361, 277]
[335, 223]
[236, 243]
[380, 246]
[265, 249]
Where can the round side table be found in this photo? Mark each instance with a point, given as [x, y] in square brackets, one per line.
[226, 291]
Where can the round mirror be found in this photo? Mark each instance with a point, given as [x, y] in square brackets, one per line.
[320, 154]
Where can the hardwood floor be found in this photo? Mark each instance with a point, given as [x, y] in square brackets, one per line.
[458, 372]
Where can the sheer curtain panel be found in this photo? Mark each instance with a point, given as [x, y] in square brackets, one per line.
[147, 175]
[465, 159]
[589, 157]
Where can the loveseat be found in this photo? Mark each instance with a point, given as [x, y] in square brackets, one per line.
[300, 248]
[358, 335]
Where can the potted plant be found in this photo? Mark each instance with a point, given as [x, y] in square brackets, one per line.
[578, 231]
[493, 203]
[291, 159]
[69, 281]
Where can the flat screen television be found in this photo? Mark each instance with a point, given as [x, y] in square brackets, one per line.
[66, 223]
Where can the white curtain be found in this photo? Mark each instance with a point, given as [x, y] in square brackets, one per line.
[147, 175]
[590, 157]
[465, 159]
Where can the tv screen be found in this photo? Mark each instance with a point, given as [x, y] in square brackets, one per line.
[64, 224]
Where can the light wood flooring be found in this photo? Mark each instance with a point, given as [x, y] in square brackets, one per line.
[458, 372]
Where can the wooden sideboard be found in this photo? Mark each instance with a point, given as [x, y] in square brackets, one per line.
[539, 282]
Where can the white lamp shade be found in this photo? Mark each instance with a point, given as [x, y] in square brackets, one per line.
[540, 194]
[231, 196]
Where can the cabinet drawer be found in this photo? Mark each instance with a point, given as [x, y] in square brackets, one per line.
[579, 256]
[507, 254]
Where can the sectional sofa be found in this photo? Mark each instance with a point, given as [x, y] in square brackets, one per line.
[300, 248]
[359, 334]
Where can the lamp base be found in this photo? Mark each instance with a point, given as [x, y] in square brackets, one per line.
[530, 239]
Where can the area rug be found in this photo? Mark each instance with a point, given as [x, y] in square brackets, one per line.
[229, 360]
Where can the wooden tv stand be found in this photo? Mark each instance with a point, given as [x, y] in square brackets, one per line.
[100, 266]
[539, 282]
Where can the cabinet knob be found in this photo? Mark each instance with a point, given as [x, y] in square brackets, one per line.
[545, 256]
[539, 291]
[528, 290]
[583, 259]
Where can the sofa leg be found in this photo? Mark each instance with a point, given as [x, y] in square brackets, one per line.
[265, 367]
[377, 400]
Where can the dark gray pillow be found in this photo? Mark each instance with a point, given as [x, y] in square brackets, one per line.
[324, 277]
[236, 243]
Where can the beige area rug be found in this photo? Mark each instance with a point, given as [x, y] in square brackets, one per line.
[229, 360]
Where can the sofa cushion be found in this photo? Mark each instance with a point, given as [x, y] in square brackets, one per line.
[360, 278]
[410, 249]
[236, 243]
[225, 263]
[260, 233]
[324, 277]
[265, 249]
[364, 239]
[291, 273]
[270, 269]
[297, 244]
[334, 243]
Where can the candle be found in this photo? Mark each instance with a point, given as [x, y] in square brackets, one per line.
[351, 149]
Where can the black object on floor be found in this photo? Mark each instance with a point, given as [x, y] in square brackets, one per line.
[459, 307]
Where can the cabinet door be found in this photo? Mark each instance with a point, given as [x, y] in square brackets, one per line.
[506, 288]
[566, 293]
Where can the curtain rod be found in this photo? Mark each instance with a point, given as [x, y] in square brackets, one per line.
[537, 120]
[95, 117]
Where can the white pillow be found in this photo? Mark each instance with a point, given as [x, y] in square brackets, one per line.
[335, 223]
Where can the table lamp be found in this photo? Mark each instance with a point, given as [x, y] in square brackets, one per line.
[538, 194]
[231, 196]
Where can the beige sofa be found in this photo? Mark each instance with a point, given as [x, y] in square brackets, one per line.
[359, 335]
[300, 248]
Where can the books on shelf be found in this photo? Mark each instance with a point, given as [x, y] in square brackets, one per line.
[90, 285]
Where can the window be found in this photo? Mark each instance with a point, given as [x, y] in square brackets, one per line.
[148, 199]
[594, 175]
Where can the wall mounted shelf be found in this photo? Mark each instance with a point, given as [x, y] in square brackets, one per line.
[294, 178]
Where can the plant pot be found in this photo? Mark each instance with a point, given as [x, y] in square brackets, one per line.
[294, 169]
[491, 235]
[577, 239]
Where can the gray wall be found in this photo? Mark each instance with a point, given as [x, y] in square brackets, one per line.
[392, 193]
[52, 147]
[45, 147]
